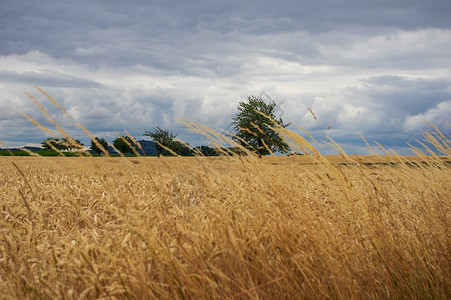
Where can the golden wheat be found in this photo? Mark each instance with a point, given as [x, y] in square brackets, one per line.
[236, 227]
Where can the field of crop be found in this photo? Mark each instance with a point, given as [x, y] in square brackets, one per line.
[225, 227]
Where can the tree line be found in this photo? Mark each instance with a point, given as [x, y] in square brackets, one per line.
[254, 128]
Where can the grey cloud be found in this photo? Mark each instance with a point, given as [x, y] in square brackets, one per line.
[389, 109]
[47, 78]
[406, 82]
[119, 33]
[7, 111]
[437, 115]
[98, 114]
[407, 96]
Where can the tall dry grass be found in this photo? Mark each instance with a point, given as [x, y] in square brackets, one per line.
[226, 227]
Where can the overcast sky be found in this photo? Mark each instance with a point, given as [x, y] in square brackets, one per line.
[378, 68]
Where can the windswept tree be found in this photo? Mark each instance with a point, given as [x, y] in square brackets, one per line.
[124, 144]
[163, 138]
[256, 125]
[100, 141]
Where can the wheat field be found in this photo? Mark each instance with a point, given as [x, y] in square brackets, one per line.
[299, 227]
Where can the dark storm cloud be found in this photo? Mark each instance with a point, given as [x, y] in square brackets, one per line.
[409, 96]
[160, 31]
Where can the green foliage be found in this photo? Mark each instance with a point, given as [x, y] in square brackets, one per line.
[66, 143]
[164, 139]
[218, 151]
[207, 150]
[124, 144]
[255, 127]
[231, 151]
[180, 148]
[55, 153]
[72, 144]
[50, 144]
[100, 141]
[42, 153]
[14, 153]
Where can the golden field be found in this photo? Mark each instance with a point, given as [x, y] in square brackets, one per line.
[298, 227]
